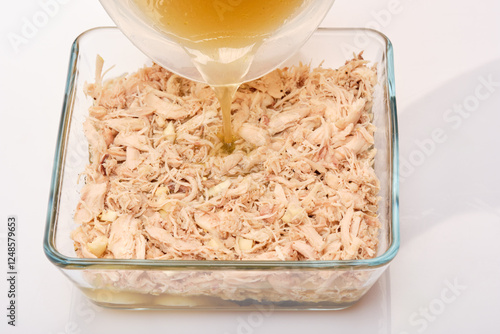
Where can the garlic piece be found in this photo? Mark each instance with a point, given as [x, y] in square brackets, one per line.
[169, 132]
[245, 244]
[98, 246]
[161, 191]
[214, 243]
[218, 189]
[109, 216]
[293, 211]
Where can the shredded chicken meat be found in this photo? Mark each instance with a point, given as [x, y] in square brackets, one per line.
[300, 184]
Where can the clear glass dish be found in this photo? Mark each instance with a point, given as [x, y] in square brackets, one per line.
[168, 284]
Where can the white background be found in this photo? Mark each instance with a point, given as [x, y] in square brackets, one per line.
[446, 277]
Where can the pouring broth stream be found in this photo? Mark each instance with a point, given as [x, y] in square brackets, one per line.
[221, 37]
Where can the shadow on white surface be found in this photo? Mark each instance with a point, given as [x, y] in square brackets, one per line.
[449, 141]
[370, 315]
[445, 278]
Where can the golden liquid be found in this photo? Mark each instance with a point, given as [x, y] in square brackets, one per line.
[225, 95]
[221, 36]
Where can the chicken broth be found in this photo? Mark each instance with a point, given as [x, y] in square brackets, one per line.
[221, 37]
[225, 96]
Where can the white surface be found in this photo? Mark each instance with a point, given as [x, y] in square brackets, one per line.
[450, 214]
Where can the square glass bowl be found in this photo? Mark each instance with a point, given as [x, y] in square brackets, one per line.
[175, 284]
